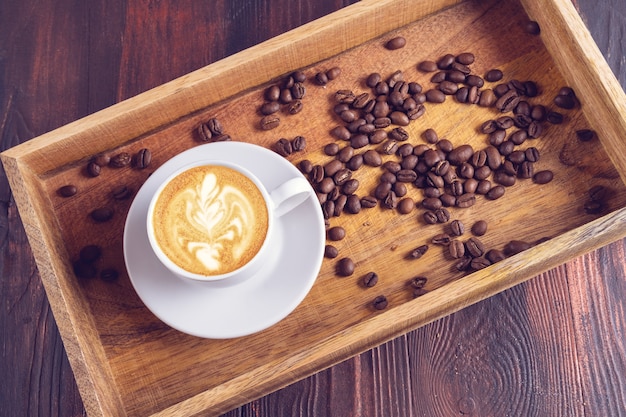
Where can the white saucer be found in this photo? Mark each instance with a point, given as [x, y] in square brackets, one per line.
[220, 312]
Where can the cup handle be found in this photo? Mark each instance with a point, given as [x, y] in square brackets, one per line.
[290, 195]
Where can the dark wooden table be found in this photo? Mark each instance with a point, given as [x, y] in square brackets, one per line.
[553, 346]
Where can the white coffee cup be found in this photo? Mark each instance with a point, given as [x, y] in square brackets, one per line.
[218, 216]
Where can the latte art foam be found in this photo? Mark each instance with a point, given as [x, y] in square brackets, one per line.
[210, 220]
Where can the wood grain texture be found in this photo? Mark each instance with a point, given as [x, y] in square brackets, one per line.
[551, 338]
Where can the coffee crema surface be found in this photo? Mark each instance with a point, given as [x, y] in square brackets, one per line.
[210, 220]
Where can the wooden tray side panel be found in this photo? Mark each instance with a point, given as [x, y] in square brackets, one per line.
[574, 51]
[78, 331]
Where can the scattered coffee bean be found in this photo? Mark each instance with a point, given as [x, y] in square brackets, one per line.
[380, 302]
[283, 147]
[479, 263]
[321, 78]
[395, 43]
[142, 158]
[456, 249]
[336, 233]
[442, 239]
[515, 246]
[463, 263]
[474, 247]
[345, 267]
[102, 214]
[93, 169]
[269, 122]
[585, 135]
[406, 205]
[90, 253]
[298, 144]
[120, 160]
[543, 177]
[330, 252]
[370, 279]
[333, 73]
[67, 190]
[85, 270]
[369, 202]
[418, 252]
[479, 228]
[495, 255]
[204, 133]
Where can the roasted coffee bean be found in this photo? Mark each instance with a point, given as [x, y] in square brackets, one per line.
[445, 61]
[442, 239]
[269, 122]
[484, 186]
[331, 149]
[355, 162]
[102, 214]
[142, 158]
[350, 186]
[330, 252]
[409, 159]
[474, 247]
[283, 147]
[418, 252]
[317, 174]
[457, 228]
[120, 160]
[482, 173]
[336, 233]
[368, 202]
[594, 206]
[479, 263]
[328, 208]
[399, 118]
[429, 217]
[438, 77]
[504, 178]
[508, 101]
[90, 253]
[430, 136]
[555, 118]
[448, 200]
[215, 126]
[370, 279]
[121, 192]
[67, 190]
[406, 175]
[466, 200]
[272, 93]
[567, 102]
[399, 188]
[204, 133]
[390, 201]
[526, 170]
[495, 192]
[353, 204]
[456, 249]
[378, 136]
[321, 78]
[494, 75]
[431, 203]
[515, 247]
[345, 267]
[267, 108]
[501, 89]
[495, 255]
[585, 135]
[598, 193]
[305, 166]
[543, 177]
[332, 167]
[443, 215]
[463, 263]
[380, 302]
[460, 154]
[456, 188]
[507, 168]
[389, 147]
[487, 98]
[295, 107]
[462, 95]
[395, 43]
[359, 140]
[466, 170]
[373, 79]
[470, 185]
[406, 205]
[341, 133]
[326, 185]
[435, 96]
[345, 154]
[340, 204]
[506, 148]
[427, 66]
[84, 270]
[479, 228]
[531, 154]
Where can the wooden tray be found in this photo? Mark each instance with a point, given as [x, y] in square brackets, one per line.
[126, 362]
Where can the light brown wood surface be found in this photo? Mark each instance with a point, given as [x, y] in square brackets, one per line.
[111, 336]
